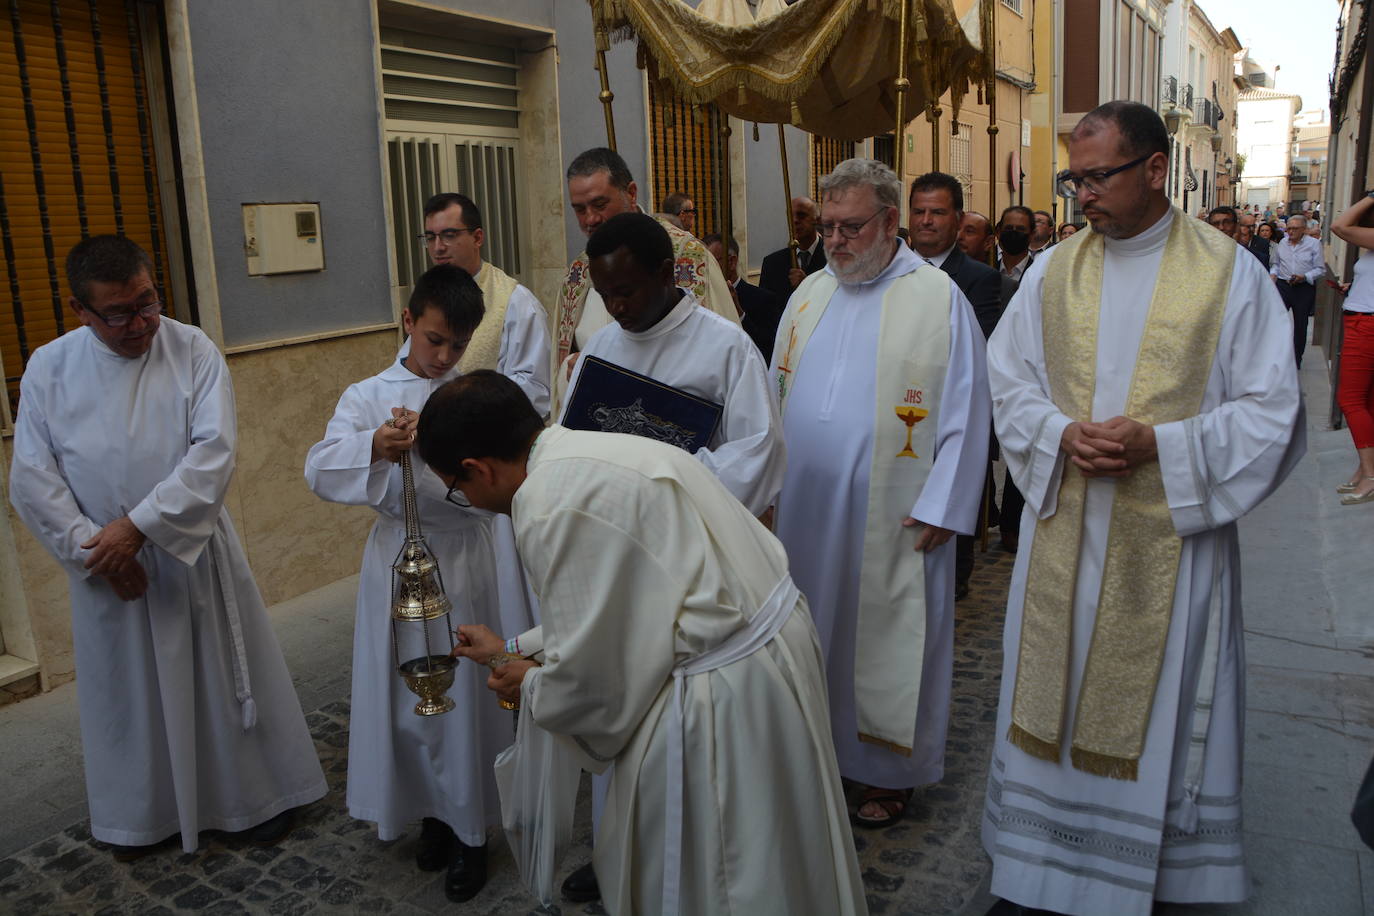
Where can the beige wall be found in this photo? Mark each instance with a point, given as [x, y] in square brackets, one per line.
[295, 542]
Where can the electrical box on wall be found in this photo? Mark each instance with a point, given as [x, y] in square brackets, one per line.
[282, 238]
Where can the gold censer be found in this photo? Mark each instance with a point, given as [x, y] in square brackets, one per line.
[417, 599]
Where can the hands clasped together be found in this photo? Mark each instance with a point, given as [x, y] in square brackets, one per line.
[113, 551]
[1113, 448]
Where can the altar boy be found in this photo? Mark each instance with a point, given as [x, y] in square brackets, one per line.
[403, 767]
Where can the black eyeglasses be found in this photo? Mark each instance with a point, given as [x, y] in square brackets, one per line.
[691, 210]
[1067, 184]
[455, 497]
[122, 319]
[848, 230]
[449, 236]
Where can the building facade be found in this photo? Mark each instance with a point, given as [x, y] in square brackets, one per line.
[1110, 49]
[1266, 138]
[1312, 129]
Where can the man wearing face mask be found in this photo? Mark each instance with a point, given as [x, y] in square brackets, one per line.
[1013, 241]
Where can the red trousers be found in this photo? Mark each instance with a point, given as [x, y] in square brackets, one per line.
[1355, 393]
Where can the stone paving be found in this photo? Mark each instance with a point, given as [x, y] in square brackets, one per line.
[930, 863]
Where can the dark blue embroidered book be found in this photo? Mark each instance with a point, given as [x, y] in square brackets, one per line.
[612, 399]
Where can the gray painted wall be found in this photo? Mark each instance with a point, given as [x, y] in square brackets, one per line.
[580, 119]
[766, 201]
[288, 112]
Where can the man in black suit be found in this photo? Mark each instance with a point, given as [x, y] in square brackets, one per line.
[760, 310]
[936, 210]
[779, 277]
[1247, 239]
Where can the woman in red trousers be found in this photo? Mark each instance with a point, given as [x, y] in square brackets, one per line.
[1355, 392]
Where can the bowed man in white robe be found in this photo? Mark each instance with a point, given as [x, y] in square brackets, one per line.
[401, 766]
[643, 563]
[828, 426]
[703, 354]
[189, 720]
[1066, 840]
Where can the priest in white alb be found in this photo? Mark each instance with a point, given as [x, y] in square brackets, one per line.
[123, 452]
[1145, 399]
[676, 648]
[879, 368]
[660, 332]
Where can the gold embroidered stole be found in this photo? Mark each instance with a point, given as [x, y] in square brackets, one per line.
[484, 350]
[1140, 568]
[913, 351]
[689, 258]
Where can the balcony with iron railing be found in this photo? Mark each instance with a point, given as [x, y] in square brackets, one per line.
[1171, 90]
[1188, 97]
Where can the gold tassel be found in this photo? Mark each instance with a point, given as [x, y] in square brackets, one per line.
[1036, 747]
[1102, 765]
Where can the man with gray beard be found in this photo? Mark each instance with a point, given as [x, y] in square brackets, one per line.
[879, 368]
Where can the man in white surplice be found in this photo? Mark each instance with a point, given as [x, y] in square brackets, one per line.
[1145, 398]
[880, 351]
[660, 332]
[123, 451]
[403, 767]
[676, 648]
[513, 337]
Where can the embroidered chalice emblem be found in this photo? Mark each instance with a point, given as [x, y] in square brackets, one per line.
[910, 416]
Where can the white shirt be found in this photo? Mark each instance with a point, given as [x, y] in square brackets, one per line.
[937, 260]
[1303, 258]
[1361, 298]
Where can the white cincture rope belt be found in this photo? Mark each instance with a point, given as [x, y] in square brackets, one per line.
[224, 572]
[762, 627]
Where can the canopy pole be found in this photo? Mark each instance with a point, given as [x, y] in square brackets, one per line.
[935, 112]
[726, 208]
[991, 13]
[603, 44]
[902, 85]
[792, 244]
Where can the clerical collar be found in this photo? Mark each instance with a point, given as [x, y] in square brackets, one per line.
[676, 316]
[1146, 243]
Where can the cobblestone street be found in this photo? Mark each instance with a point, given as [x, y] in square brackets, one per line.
[930, 863]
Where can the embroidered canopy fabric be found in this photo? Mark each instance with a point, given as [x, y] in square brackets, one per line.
[826, 66]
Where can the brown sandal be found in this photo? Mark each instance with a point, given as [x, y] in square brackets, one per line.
[892, 801]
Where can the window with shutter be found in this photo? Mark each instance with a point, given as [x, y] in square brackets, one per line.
[78, 159]
[686, 150]
[825, 155]
[452, 124]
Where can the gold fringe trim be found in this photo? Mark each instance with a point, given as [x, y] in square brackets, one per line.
[1036, 747]
[894, 748]
[1102, 765]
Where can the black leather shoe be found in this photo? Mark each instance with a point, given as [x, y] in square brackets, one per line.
[134, 853]
[467, 873]
[272, 831]
[581, 886]
[436, 845]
